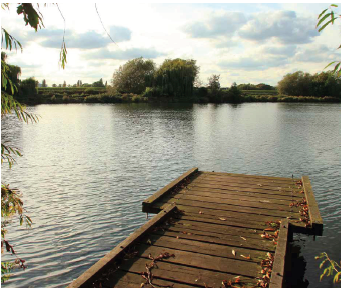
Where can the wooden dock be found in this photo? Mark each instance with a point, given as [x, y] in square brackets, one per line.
[212, 230]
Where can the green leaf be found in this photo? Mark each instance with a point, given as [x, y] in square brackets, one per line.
[334, 5]
[323, 19]
[320, 15]
[329, 64]
[323, 27]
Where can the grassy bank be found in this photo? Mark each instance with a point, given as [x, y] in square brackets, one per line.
[100, 95]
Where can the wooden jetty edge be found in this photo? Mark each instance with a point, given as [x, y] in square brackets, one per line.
[212, 230]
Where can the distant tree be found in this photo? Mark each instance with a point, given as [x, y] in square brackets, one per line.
[54, 85]
[305, 84]
[98, 83]
[64, 84]
[176, 77]
[68, 85]
[60, 85]
[134, 76]
[214, 87]
[106, 84]
[74, 85]
[44, 83]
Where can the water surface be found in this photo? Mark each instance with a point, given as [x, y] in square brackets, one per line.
[87, 167]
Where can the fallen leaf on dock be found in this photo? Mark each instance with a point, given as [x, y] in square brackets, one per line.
[177, 237]
[269, 229]
[243, 238]
[222, 219]
[259, 185]
[246, 257]
[234, 252]
[200, 212]
[148, 242]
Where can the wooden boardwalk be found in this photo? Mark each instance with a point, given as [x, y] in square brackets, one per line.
[212, 230]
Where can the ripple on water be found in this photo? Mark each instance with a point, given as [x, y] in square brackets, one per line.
[87, 168]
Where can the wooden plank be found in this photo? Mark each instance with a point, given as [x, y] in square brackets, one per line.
[217, 193]
[235, 267]
[162, 192]
[277, 213]
[183, 274]
[201, 231]
[221, 229]
[211, 249]
[278, 271]
[246, 203]
[134, 280]
[313, 209]
[222, 214]
[251, 176]
[223, 221]
[235, 241]
[243, 184]
[248, 180]
[243, 189]
[231, 195]
[87, 277]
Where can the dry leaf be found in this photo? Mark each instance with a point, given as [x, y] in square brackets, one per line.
[243, 238]
[222, 219]
[177, 237]
[269, 229]
[148, 242]
[259, 185]
[200, 212]
[234, 252]
[246, 257]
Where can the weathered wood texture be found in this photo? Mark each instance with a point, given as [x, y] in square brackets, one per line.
[277, 278]
[314, 213]
[155, 197]
[87, 277]
[237, 196]
[212, 227]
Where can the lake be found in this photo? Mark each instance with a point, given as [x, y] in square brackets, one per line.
[86, 168]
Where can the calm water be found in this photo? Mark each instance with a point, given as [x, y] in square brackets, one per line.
[86, 168]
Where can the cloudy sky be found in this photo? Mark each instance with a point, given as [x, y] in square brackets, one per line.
[242, 42]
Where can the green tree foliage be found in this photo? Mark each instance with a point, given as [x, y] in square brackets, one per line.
[260, 86]
[134, 76]
[214, 88]
[324, 19]
[305, 84]
[98, 83]
[175, 77]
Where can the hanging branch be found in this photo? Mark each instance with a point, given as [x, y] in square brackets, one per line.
[104, 26]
